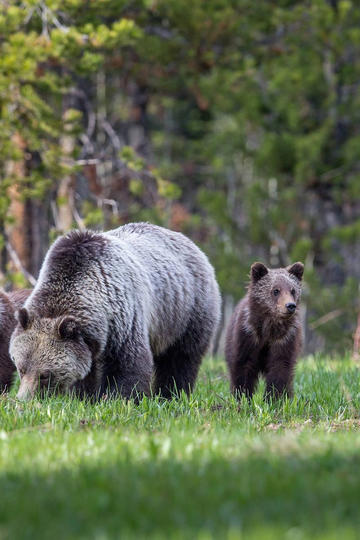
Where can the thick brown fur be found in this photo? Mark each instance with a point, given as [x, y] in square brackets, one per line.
[9, 304]
[263, 337]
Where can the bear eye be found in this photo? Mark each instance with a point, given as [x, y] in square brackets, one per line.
[45, 377]
[276, 292]
[293, 292]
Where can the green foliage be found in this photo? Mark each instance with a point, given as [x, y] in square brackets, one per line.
[277, 136]
[347, 233]
[301, 249]
[94, 216]
[251, 121]
[18, 280]
[136, 186]
[167, 189]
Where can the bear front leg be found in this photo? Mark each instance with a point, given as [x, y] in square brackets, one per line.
[244, 379]
[128, 373]
[278, 385]
[280, 373]
[243, 363]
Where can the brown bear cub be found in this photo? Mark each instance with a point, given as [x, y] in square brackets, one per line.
[264, 336]
[9, 304]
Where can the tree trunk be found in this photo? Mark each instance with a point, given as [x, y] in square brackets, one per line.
[19, 232]
[65, 192]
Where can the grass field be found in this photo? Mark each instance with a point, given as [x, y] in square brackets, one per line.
[193, 468]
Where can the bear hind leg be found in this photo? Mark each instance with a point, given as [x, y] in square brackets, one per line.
[7, 371]
[177, 368]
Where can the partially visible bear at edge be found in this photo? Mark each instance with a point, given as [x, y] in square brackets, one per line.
[265, 335]
[111, 311]
[9, 304]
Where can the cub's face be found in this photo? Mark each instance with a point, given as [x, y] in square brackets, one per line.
[49, 354]
[278, 291]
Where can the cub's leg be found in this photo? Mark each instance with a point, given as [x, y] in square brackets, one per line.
[241, 354]
[244, 378]
[280, 372]
[242, 357]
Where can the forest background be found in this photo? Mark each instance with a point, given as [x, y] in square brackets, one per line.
[236, 122]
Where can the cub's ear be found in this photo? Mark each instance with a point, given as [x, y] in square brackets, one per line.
[297, 270]
[68, 328]
[258, 270]
[23, 318]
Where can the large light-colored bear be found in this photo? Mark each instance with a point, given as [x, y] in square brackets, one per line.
[111, 311]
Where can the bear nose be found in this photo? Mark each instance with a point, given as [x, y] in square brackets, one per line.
[290, 307]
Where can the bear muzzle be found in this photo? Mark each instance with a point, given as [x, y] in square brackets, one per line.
[29, 384]
[290, 306]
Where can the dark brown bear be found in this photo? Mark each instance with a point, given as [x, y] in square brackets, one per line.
[264, 335]
[9, 304]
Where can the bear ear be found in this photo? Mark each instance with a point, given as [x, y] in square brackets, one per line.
[297, 270]
[258, 270]
[23, 318]
[68, 328]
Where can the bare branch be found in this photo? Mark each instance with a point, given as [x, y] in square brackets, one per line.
[54, 213]
[91, 161]
[109, 130]
[16, 260]
[326, 318]
[110, 202]
[79, 221]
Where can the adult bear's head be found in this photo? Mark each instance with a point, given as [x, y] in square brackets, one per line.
[50, 354]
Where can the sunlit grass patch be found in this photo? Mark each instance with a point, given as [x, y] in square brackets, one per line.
[204, 466]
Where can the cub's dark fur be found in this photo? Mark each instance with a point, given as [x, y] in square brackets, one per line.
[9, 303]
[264, 335]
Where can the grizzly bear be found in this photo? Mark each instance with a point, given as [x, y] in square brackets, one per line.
[264, 335]
[113, 310]
[9, 304]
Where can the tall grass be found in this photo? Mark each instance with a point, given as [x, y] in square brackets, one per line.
[199, 467]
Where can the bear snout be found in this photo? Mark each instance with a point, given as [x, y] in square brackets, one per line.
[290, 306]
[28, 387]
